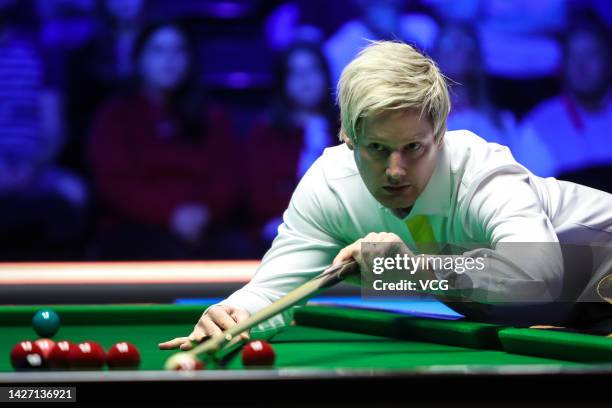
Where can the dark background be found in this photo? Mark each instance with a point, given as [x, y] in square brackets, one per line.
[70, 49]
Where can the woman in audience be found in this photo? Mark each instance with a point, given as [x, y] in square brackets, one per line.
[288, 139]
[163, 158]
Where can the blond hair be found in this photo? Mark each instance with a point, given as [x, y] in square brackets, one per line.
[390, 75]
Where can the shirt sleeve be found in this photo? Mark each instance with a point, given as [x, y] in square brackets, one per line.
[305, 246]
[523, 258]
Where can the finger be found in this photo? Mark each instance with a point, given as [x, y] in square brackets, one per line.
[358, 257]
[341, 257]
[172, 344]
[240, 315]
[395, 238]
[386, 238]
[198, 334]
[346, 253]
[186, 346]
[195, 337]
[371, 237]
[210, 327]
[357, 250]
[221, 318]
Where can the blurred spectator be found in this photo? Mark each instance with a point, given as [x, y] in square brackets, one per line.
[520, 54]
[283, 145]
[511, 32]
[42, 207]
[98, 69]
[457, 52]
[575, 125]
[295, 21]
[163, 159]
[380, 20]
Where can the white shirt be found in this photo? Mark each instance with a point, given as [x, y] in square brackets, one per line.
[478, 193]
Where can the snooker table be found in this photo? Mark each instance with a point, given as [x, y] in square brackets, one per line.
[329, 355]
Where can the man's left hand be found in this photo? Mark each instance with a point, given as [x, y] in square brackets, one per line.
[383, 244]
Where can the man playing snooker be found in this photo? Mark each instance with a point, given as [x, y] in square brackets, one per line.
[399, 171]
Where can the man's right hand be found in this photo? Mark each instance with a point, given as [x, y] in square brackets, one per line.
[214, 321]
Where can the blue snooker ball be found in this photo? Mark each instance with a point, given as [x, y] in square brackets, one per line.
[46, 323]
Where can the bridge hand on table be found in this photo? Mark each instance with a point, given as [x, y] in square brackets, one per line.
[214, 321]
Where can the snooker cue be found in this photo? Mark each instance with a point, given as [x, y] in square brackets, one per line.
[325, 280]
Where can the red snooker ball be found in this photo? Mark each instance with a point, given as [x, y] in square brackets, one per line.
[27, 355]
[123, 355]
[87, 355]
[45, 345]
[59, 357]
[258, 353]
